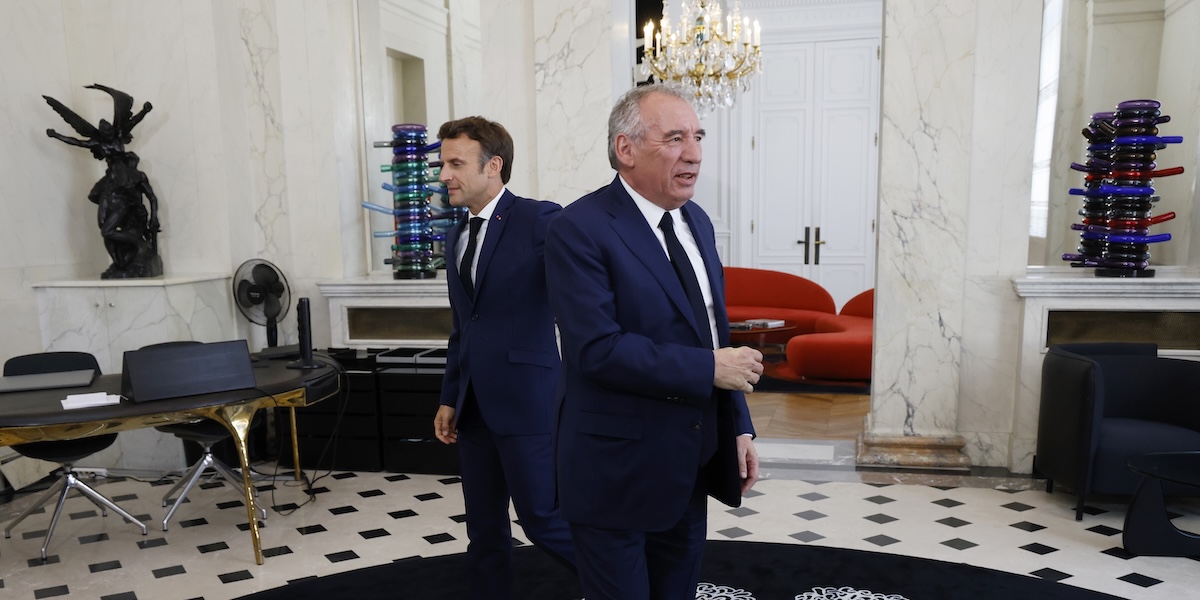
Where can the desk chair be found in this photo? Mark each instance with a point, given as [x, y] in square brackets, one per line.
[63, 452]
[206, 433]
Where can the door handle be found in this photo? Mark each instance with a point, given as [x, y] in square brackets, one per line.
[804, 242]
[817, 249]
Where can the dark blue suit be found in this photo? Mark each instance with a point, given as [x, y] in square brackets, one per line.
[502, 370]
[642, 430]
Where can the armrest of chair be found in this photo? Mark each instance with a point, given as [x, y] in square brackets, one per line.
[1072, 388]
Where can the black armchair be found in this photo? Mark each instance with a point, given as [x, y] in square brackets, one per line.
[1102, 404]
[63, 452]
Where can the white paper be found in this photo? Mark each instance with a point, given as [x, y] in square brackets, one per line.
[90, 400]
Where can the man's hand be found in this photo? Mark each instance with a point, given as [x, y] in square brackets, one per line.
[737, 368]
[443, 425]
[747, 462]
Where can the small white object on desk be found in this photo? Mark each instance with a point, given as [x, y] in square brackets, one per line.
[89, 400]
[766, 323]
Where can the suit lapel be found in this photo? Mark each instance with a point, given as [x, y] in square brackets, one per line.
[631, 226]
[495, 228]
[705, 241]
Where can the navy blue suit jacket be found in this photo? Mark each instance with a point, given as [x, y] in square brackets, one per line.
[502, 342]
[639, 398]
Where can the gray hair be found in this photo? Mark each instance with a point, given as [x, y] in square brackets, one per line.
[626, 115]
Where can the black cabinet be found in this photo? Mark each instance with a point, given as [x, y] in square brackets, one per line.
[383, 422]
[410, 386]
[340, 433]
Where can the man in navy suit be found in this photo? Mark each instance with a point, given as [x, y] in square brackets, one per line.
[653, 418]
[502, 367]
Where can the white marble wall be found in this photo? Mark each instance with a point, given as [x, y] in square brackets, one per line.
[959, 92]
[928, 70]
[997, 222]
[573, 89]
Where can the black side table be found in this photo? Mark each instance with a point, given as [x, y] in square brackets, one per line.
[1148, 529]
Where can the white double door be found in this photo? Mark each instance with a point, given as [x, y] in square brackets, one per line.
[812, 119]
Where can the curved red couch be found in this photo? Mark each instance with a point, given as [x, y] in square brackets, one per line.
[840, 348]
[764, 294]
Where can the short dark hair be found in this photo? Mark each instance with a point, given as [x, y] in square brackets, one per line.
[493, 139]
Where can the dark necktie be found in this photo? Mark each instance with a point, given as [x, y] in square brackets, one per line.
[464, 268]
[683, 269]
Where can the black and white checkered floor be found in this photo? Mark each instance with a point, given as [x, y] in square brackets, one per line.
[810, 495]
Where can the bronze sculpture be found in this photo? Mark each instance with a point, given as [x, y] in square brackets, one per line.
[130, 231]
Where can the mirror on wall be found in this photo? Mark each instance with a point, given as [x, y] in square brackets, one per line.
[1095, 54]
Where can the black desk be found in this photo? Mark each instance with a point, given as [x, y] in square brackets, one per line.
[35, 416]
[1148, 529]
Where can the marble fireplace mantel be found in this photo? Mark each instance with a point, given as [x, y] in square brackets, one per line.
[1050, 293]
[379, 311]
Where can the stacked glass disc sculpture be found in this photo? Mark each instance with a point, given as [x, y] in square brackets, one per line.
[420, 224]
[1118, 190]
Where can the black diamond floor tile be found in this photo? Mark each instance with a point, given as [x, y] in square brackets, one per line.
[959, 544]
[882, 519]
[734, 532]
[105, 566]
[168, 571]
[214, 547]
[1118, 552]
[813, 496]
[311, 529]
[1140, 580]
[370, 493]
[948, 503]
[1104, 530]
[881, 540]
[343, 510]
[807, 536]
[810, 515]
[428, 497]
[235, 576]
[1041, 549]
[439, 538]
[343, 556]
[1027, 526]
[742, 511]
[879, 499]
[1017, 506]
[1050, 575]
[953, 522]
[373, 533]
[273, 552]
[52, 592]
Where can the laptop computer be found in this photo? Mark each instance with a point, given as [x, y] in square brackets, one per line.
[47, 381]
[161, 372]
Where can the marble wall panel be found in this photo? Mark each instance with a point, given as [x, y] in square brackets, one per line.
[573, 94]
[928, 76]
[1001, 158]
[508, 84]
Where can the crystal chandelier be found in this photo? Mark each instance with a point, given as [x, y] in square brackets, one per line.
[709, 56]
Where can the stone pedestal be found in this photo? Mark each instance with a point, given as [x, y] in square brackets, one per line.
[913, 451]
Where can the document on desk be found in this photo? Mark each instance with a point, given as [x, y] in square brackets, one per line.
[89, 400]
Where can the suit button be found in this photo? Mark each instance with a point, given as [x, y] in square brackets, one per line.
[475, 317]
[696, 425]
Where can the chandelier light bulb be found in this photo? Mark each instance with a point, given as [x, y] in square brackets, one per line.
[710, 56]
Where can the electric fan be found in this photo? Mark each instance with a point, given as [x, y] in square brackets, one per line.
[261, 293]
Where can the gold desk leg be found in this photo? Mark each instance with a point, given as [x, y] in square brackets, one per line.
[236, 419]
[295, 445]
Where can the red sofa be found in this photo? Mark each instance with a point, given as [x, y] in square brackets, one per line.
[764, 294]
[840, 348]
